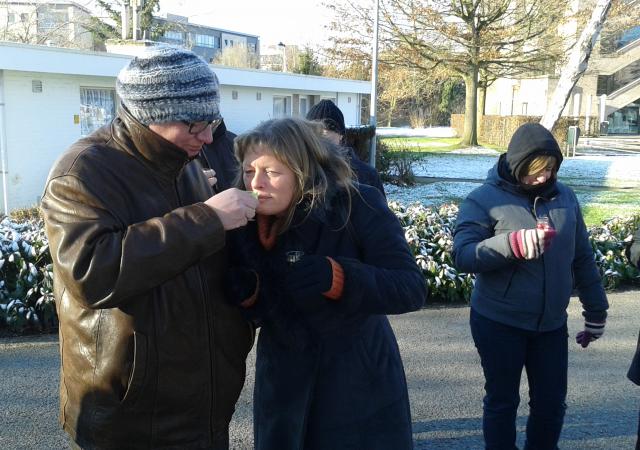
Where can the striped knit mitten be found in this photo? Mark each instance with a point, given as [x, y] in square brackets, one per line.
[592, 331]
[528, 244]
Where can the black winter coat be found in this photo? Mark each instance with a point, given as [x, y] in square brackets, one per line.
[634, 257]
[219, 156]
[365, 174]
[333, 378]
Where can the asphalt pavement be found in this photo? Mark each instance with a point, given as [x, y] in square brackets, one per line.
[443, 374]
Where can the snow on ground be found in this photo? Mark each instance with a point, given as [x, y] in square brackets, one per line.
[432, 132]
[474, 163]
[595, 170]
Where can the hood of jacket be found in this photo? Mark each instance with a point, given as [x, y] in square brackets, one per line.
[529, 141]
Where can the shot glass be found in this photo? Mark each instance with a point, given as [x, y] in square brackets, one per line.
[543, 223]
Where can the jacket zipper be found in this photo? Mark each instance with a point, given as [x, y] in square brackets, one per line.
[210, 337]
[544, 269]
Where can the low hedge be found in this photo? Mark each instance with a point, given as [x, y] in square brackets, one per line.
[26, 284]
[26, 277]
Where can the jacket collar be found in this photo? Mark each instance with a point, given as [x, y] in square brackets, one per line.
[165, 158]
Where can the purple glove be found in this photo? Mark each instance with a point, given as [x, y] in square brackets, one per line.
[592, 331]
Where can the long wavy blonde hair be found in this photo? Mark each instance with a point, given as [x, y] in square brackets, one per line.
[318, 165]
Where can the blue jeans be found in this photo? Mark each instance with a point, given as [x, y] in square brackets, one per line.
[504, 350]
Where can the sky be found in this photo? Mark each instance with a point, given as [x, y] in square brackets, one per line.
[298, 22]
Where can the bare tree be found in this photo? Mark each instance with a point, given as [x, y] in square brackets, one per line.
[237, 56]
[467, 37]
[40, 23]
[576, 64]
[623, 14]
[110, 26]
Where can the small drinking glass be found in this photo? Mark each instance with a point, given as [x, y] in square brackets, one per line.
[543, 223]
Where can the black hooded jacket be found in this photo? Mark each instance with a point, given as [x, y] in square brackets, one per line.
[532, 294]
[528, 142]
[219, 156]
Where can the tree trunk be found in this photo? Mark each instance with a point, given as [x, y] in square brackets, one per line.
[390, 111]
[482, 100]
[576, 64]
[470, 133]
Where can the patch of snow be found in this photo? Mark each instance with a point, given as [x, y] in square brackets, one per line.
[475, 151]
[429, 194]
[596, 170]
[434, 132]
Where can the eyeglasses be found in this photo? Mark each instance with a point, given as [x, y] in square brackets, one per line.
[199, 127]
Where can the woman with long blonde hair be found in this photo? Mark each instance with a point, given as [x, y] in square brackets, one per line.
[318, 270]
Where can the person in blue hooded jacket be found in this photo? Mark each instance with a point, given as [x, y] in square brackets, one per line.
[523, 235]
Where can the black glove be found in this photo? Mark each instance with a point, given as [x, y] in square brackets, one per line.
[240, 286]
[309, 278]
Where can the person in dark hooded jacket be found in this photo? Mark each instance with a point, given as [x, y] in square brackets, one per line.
[633, 254]
[332, 261]
[523, 235]
[329, 115]
[218, 160]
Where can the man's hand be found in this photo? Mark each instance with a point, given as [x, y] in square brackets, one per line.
[234, 207]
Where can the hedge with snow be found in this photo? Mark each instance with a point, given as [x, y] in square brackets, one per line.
[26, 287]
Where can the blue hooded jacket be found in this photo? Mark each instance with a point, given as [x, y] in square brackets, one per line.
[527, 294]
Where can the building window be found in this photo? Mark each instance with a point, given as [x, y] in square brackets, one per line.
[281, 106]
[24, 17]
[304, 106]
[525, 106]
[51, 20]
[97, 108]
[252, 47]
[11, 18]
[205, 40]
[234, 95]
[258, 96]
[173, 35]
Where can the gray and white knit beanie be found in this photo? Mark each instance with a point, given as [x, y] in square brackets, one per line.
[169, 84]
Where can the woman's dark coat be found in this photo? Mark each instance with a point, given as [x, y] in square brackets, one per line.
[365, 174]
[331, 377]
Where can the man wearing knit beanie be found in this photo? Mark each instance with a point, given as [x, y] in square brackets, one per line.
[152, 355]
[326, 112]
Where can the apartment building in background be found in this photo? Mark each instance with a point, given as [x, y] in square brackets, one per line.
[53, 23]
[206, 42]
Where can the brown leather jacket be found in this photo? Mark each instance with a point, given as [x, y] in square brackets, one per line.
[152, 356]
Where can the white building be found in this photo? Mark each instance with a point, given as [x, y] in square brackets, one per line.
[50, 97]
